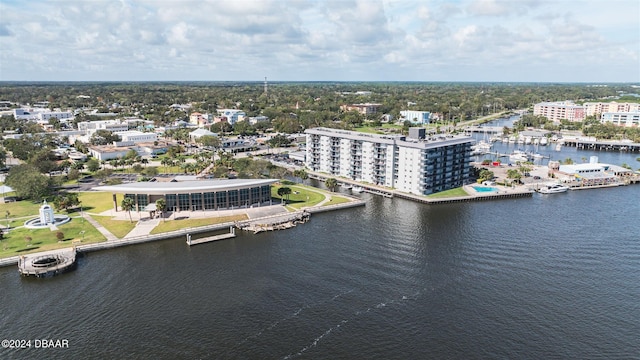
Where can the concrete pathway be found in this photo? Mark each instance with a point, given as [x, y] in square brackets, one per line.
[143, 228]
[102, 229]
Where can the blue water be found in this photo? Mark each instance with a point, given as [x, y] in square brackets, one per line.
[484, 188]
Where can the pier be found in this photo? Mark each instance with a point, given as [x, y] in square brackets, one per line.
[47, 263]
[277, 222]
[601, 145]
[229, 235]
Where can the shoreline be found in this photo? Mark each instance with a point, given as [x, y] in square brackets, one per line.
[110, 244]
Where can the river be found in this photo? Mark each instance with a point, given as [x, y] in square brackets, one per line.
[548, 277]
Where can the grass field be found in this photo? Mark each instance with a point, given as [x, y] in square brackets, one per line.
[15, 243]
[97, 201]
[449, 193]
[172, 225]
[119, 228]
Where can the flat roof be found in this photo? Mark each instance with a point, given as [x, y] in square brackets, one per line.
[184, 187]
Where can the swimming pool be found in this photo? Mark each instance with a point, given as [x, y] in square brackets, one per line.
[484, 188]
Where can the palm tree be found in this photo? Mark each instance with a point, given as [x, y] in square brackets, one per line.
[127, 205]
[302, 174]
[331, 183]
[284, 191]
[161, 205]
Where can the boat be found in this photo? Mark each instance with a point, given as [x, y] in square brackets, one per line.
[538, 156]
[558, 147]
[543, 141]
[357, 189]
[518, 156]
[553, 189]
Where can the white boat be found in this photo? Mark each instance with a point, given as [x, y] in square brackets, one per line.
[553, 189]
[538, 156]
[543, 140]
[357, 189]
[518, 156]
[558, 147]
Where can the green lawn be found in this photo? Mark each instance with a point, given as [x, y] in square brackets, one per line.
[119, 228]
[15, 242]
[449, 193]
[20, 209]
[97, 201]
[172, 225]
[337, 200]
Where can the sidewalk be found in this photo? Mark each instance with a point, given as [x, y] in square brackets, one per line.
[102, 229]
[143, 227]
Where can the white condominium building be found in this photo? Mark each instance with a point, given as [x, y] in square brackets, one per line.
[411, 164]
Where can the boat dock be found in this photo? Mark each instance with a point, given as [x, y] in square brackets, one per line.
[277, 222]
[602, 145]
[47, 263]
[229, 235]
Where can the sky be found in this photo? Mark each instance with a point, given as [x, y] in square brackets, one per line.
[320, 40]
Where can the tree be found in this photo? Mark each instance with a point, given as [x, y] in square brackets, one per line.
[127, 205]
[28, 239]
[514, 174]
[284, 191]
[150, 171]
[279, 140]
[93, 165]
[331, 184]
[161, 205]
[28, 182]
[485, 175]
[103, 137]
[60, 235]
[301, 173]
[66, 201]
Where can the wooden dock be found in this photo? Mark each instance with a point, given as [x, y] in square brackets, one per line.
[229, 235]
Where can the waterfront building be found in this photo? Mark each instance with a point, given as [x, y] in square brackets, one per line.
[562, 110]
[364, 109]
[415, 164]
[196, 195]
[598, 108]
[593, 173]
[627, 119]
[416, 117]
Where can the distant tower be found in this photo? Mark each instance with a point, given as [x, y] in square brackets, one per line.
[266, 86]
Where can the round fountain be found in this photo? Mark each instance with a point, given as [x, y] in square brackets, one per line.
[46, 218]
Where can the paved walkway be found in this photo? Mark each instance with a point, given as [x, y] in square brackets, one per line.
[143, 227]
[102, 229]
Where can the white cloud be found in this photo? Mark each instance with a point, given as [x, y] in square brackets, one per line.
[495, 40]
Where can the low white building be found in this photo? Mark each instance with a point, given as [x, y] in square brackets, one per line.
[90, 127]
[416, 117]
[627, 119]
[134, 136]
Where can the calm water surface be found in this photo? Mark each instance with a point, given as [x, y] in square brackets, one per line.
[548, 277]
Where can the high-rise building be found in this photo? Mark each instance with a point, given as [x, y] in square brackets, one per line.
[412, 164]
